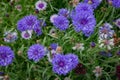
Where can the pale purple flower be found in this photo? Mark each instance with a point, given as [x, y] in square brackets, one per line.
[117, 23]
[105, 32]
[27, 34]
[106, 43]
[41, 5]
[10, 36]
[97, 71]
[52, 17]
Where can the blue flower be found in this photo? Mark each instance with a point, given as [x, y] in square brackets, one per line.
[28, 23]
[93, 3]
[84, 7]
[54, 46]
[36, 52]
[115, 3]
[84, 22]
[60, 64]
[63, 12]
[6, 56]
[61, 23]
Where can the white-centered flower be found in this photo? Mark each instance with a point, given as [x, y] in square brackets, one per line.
[27, 34]
[41, 5]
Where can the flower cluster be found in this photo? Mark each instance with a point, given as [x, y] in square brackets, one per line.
[28, 24]
[83, 19]
[62, 64]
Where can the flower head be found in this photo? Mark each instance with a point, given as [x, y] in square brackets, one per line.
[115, 3]
[83, 21]
[60, 64]
[84, 7]
[10, 36]
[61, 23]
[41, 5]
[94, 3]
[6, 56]
[18, 7]
[63, 12]
[28, 23]
[53, 46]
[26, 34]
[106, 43]
[36, 52]
[78, 46]
[117, 22]
[97, 71]
[105, 32]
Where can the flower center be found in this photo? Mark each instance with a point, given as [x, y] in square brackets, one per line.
[26, 34]
[41, 5]
[83, 21]
[61, 64]
[118, 22]
[36, 52]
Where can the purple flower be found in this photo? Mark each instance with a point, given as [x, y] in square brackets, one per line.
[61, 65]
[36, 52]
[117, 22]
[83, 21]
[73, 59]
[54, 46]
[94, 3]
[105, 31]
[61, 23]
[63, 12]
[41, 5]
[28, 23]
[115, 3]
[84, 7]
[38, 31]
[6, 55]
[92, 44]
